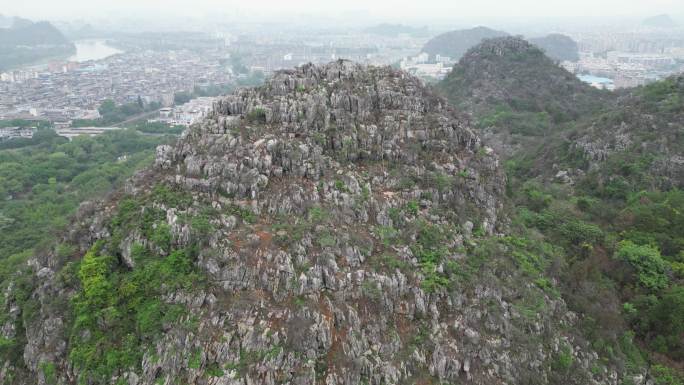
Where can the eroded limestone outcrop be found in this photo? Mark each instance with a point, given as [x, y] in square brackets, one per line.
[344, 223]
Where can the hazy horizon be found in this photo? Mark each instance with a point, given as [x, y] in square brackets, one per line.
[349, 11]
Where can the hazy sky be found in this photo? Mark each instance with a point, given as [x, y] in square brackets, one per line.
[376, 9]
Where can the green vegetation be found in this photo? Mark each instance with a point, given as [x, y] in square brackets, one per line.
[42, 182]
[111, 113]
[430, 251]
[24, 123]
[563, 359]
[156, 128]
[665, 96]
[121, 309]
[646, 261]
[629, 248]
[523, 123]
[257, 115]
[540, 96]
[120, 305]
[617, 230]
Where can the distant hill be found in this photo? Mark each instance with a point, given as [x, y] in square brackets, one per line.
[516, 94]
[558, 47]
[32, 34]
[510, 84]
[19, 22]
[27, 42]
[76, 31]
[396, 29]
[521, 100]
[5, 22]
[660, 21]
[456, 43]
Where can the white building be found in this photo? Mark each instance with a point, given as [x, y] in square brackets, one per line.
[421, 58]
[443, 59]
[188, 113]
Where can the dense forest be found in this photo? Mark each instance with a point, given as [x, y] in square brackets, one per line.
[43, 180]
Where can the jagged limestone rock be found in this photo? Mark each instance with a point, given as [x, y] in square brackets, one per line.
[337, 204]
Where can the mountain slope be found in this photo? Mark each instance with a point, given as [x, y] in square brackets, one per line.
[514, 91]
[639, 144]
[336, 225]
[603, 184]
[456, 43]
[5, 22]
[517, 94]
[41, 33]
[557, 47]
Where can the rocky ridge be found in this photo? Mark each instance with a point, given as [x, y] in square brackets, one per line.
[345, 222]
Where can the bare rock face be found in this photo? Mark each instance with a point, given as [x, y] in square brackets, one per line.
[346, 216]
[337, 122]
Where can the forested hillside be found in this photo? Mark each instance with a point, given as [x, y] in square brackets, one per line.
[599, 175]
[43, 180]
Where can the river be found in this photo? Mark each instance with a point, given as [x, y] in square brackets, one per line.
[92, 49]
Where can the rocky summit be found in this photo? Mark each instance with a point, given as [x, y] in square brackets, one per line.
[340, 224]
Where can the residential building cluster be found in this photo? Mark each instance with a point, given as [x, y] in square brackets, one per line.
[15, 132]
[629, 58]
[67, 91]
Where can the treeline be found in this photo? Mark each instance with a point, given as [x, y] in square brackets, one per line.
[24, 123]
[111, 113]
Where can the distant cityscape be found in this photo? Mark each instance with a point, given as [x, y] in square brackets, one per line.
[63, 91]
[629, 59]
[176, 77]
